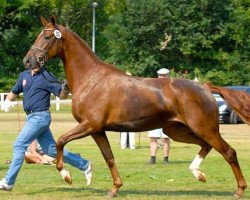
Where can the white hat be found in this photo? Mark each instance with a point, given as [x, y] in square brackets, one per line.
[196, 79]
[128, 73]
[163, 71]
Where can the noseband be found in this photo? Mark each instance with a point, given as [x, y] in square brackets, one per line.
[43, 58]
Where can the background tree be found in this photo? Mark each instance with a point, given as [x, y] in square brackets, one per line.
[20, 24]
[210, 36]
[199, 36]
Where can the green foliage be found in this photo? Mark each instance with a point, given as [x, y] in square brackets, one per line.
[212, 36]
[6, 84]
[181, 36]
[132, 33]
[218, 77]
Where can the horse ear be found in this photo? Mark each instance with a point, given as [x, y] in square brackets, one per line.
[44, 21]
[53, 20]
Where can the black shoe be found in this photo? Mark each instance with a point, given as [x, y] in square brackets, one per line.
[165, 162]
[151, 162]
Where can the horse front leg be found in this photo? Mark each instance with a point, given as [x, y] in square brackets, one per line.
[81, 131]
[103, 143]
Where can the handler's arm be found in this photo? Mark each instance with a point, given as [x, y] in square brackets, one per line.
[11, 96]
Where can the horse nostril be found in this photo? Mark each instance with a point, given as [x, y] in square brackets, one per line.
[26, 61]
[40, 59]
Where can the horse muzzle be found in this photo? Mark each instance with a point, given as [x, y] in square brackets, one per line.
[30, 62]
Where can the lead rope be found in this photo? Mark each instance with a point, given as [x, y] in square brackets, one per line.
[51, 81]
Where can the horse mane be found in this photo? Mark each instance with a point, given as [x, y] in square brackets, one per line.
[89, 50]
[81, 41]
[239, 101]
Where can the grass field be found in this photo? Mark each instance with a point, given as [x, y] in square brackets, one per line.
[141, 181]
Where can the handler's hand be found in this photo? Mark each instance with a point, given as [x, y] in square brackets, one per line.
[65, 85]
[6, 105]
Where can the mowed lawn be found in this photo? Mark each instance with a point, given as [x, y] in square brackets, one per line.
[140, 181]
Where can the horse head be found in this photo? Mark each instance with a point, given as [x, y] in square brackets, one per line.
[46, 46]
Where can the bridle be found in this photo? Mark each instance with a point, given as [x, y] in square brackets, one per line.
[43, 58]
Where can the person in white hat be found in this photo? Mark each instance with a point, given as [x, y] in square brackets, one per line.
[127, 138]
[158, 133]
[163, 72]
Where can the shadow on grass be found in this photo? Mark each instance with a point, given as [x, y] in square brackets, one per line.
[148, 147]
[178, 193]
[102, 192]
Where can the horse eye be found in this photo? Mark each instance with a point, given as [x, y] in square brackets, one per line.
[47, 37]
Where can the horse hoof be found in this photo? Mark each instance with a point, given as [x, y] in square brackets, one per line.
[202, 177]
[237, 195]
[68, 179]
[66, 176]
[111, 194]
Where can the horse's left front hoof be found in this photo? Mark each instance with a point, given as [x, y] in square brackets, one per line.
[66, 176]
[111, 194]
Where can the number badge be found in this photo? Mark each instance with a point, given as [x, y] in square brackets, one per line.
[57, 34]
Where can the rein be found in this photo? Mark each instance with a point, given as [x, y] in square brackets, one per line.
[51, 81]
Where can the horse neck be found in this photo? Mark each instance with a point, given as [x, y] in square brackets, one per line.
[78, 59]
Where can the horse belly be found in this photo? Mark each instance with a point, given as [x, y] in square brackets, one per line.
[139, 123]
[147, 110]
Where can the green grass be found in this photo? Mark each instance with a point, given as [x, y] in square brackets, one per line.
[140, 181]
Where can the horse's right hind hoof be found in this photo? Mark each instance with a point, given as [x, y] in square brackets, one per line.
[111, 194]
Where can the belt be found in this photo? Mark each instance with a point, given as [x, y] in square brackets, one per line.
[31, 111]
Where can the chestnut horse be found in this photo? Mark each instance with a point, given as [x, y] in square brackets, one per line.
[106, 99]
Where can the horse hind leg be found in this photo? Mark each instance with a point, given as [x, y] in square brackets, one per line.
[194, 167]
[209, 140]
[103, 143]
[181, 133]
[230, 156]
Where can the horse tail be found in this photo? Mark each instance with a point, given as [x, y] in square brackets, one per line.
[239, 101]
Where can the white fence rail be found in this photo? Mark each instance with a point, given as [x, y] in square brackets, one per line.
[55, 100]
